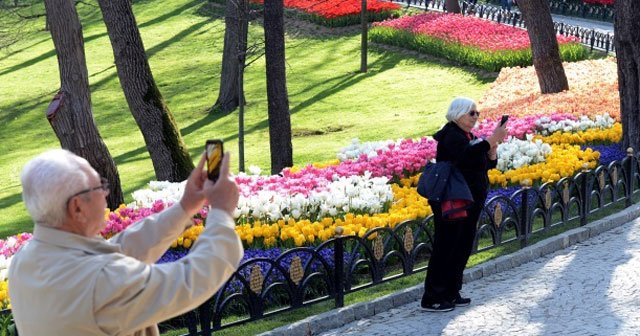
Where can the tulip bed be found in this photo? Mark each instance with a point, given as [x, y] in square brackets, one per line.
[372, 184]
[340, 13]
[467, 40]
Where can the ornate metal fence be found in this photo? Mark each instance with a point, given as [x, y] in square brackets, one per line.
[304, 276]
[580, 9]
[345, 264]
[589, 37]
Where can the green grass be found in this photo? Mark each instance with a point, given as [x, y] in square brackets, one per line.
[400, 97]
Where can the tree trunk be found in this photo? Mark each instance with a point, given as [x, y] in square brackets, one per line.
[544, 46]
[169, 155]
[452, 6]
[233, 55]
[278, 100]
[73, 121]
[627, 42]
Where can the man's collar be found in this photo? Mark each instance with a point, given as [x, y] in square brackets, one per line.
[95, 245]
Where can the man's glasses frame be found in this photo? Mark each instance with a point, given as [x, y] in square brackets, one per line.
[474, 113]
[104, 185]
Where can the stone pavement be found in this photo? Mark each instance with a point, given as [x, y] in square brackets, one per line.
[599, 26]
[583, 282]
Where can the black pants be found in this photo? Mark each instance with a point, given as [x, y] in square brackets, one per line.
[452, 246]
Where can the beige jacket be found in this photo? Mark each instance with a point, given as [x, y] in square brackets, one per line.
[65, 284]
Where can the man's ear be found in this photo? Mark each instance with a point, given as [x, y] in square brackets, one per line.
[74, 210]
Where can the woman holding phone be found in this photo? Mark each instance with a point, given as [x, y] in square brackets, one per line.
[453, 239]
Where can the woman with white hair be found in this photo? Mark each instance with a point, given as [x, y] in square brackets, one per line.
[453, 239]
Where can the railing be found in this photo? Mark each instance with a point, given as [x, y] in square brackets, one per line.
[589, 37]
[345, 264]
[602, 13]
[304, 276]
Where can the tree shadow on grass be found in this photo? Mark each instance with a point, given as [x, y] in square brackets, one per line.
[170, 14]
[208, 119]
[21, 107]
[52, 52]
[153, 50]
[383, 63]
[480, 75]
[10, 200]
[13, 52]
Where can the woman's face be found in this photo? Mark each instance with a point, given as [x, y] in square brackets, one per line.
[468, 120]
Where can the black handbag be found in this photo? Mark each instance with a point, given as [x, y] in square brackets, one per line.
[434, 179]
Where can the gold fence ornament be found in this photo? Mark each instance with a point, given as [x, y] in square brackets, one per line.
[565, 192]
[497, 215]
[547, 198]
[378, 248]
[256, 279]
[295, 270]
[601, 180]
[408, 239]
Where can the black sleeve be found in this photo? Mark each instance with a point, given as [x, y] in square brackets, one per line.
[493, 163]
[467, 154]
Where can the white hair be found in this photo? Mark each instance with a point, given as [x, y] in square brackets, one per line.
[48, 180]
[459, 107]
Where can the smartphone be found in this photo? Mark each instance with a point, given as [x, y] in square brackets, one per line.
[504, 119]
[215, 152]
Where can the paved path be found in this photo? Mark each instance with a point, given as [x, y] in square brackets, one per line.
[600, 26]
[586, 289]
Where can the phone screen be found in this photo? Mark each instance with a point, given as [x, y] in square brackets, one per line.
[504, 120]
[214, 158]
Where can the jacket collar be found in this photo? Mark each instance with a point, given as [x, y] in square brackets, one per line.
[450, 127]
[95, 245]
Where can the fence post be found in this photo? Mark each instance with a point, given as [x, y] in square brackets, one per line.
[338, 262]
[606, 48]
[584, 194]
[629, 177]
[524, 212]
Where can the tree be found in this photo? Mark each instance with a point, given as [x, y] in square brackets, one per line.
[169, 155]
[233, 55]
[627, 41]
[278, 101]
[452, 6]
[544, 46]
[73, 120]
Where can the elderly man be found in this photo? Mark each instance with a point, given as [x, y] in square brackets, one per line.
[69, 281]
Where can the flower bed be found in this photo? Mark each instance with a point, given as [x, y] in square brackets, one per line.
[340, 13]
[467, 40]
[373, 184]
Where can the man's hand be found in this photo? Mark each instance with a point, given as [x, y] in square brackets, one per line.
[193, 197]
[223, 194]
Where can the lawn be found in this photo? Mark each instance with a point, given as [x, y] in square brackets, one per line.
[330, 101]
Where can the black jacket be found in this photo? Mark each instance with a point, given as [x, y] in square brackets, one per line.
[469, 156]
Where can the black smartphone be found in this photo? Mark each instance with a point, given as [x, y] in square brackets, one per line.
[504, 119]
[215, 152]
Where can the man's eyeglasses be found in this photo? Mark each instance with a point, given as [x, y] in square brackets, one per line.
[104, 185]
[474, 113]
